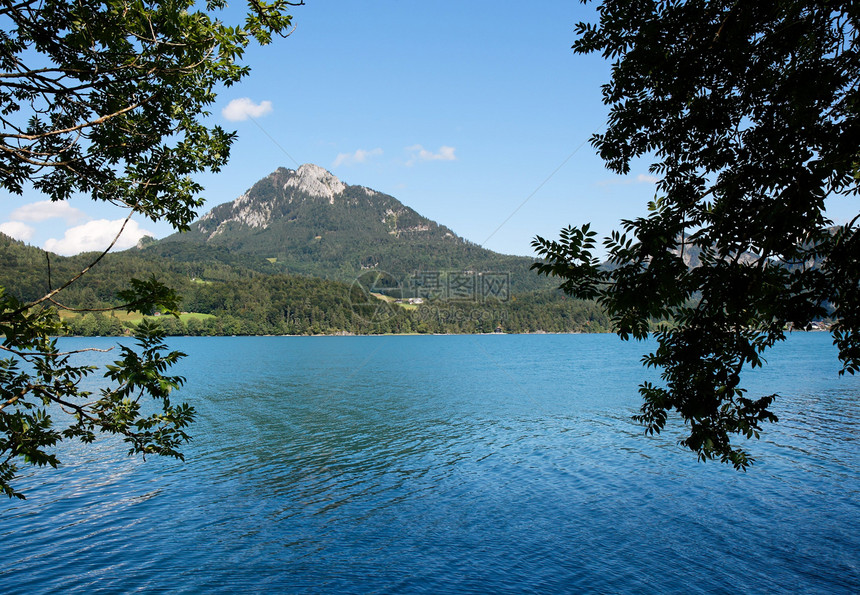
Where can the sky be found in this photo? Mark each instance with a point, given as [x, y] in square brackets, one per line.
[475, 113]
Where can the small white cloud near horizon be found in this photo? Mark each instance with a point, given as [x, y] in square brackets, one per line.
[625, 180]
[97, 235]
[46, 209]
[360, 156]
[241, 109]
[17, 230]
[419, 153]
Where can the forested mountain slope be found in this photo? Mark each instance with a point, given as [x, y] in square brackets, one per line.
[306, 221]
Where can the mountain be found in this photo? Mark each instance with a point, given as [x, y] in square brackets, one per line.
[307, 221]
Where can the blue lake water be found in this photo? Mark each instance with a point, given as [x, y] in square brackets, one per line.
[448, 464]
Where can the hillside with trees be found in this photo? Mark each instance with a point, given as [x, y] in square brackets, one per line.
[231, 300]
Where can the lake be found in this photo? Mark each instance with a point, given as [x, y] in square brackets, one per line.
[456, 464]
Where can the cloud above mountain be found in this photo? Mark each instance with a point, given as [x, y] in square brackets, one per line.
[359, 156]
[46, 209]
[81, 233]
[96, 235]
[419, 153]
[17, 230]
[627, 180]
[243, 108]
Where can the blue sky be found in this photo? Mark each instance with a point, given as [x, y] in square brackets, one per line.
[474, 113]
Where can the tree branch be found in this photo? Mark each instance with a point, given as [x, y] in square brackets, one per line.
[51, 294]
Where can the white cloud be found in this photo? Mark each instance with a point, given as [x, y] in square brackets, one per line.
[243, 108]
[96, 235]
[624, 181]
[419, 153]
[46, 209]
[17, 230]
[360, 156]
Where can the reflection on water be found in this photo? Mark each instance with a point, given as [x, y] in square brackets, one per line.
[457, 464]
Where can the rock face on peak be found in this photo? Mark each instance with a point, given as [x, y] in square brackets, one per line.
[258, 207]
[307, 221]
[316, 181]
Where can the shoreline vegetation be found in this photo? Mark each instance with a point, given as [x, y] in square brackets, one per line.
[551, 315]
[348, 334]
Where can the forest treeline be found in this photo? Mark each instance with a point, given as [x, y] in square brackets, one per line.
[227, 300]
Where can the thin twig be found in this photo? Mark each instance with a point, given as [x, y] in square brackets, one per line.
[48, 258]
[58, 354]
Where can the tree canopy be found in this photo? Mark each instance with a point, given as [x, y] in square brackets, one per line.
[108, 99]
[749, 113]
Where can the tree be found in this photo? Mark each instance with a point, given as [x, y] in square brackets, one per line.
[107, 99]
[750, 112]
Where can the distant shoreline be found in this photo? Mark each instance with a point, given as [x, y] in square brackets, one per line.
[345, 334]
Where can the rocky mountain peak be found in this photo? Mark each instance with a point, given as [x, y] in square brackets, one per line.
[315, 181]
[256, 207]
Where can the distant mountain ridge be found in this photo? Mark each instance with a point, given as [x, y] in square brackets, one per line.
[307, 221]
